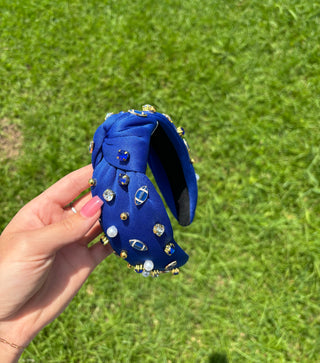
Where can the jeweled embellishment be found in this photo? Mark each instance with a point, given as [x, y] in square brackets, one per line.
[148, 108]
[91, 146]
[168, 117]
[124, 216]
[123, 254]
[108, 115]
[108, 195]
[148, 265]
[155, 273]
[186, 144]
[175, 271]
[123, 179]
[169, 249]
[138, 245]
[92, 182]
[138, 113]
[141, 195]
[104, 240]
[171, 265]
[123, 155]
[180, 131]
[158, 229]
[138, 268]
[112, 231]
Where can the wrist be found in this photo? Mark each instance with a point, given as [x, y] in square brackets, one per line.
[9, 352]
[14, 338]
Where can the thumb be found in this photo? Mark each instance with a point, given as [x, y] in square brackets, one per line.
[55, 236]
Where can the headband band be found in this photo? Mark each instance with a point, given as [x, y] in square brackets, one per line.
[133, 216]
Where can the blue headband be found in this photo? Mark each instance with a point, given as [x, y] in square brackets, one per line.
[133, 216]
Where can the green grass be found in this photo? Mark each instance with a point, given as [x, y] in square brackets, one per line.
[243, 79]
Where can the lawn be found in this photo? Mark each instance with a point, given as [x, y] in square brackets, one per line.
[243, 79]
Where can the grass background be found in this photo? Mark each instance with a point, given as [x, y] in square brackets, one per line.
[242, 77]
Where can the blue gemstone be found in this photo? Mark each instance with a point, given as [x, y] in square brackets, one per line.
[138, 269]
[169, 249]
[123, 155]
[141, 195]
[138, 245]
[123, 179]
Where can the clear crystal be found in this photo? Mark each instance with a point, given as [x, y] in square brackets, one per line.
[158, 229]
[108, 195]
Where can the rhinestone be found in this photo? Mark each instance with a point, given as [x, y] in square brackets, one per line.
[123, 155]
[148, 108]
[123, 179]
[158, 229]
[141, 195]
[138, 245]
[112, 231]
[108, 195]
[169, 249]
[91, 146]
[180, 131]
[148, 265]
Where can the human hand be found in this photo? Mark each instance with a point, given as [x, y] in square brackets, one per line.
[45, 259]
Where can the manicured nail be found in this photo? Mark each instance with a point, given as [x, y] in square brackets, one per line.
[92, 207]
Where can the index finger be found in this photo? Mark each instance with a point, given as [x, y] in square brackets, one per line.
[70, 186]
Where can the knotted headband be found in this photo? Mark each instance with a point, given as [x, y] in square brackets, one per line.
[133, 216]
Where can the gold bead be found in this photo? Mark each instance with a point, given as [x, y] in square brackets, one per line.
[124, 216]
[123, 254]
[104, 240]
[92, 182]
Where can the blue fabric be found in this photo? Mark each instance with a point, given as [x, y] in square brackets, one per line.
[150, 139]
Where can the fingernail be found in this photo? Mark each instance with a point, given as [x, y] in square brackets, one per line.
[92, 207]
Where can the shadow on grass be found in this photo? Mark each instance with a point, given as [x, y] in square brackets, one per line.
[218, 358]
